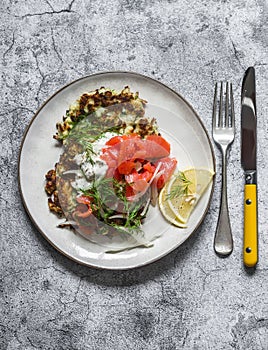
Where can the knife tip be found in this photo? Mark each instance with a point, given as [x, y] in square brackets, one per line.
[250, 69]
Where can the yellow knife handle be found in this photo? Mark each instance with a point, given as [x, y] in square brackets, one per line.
[250, 251]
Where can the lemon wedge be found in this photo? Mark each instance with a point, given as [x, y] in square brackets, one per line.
[180, 195]
[166, 211]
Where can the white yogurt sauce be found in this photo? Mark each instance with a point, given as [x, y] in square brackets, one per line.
[92, 172]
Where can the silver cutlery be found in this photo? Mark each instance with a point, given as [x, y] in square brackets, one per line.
[248, 160]
[223, 131]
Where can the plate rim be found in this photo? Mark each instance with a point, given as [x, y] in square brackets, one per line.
[80, 262]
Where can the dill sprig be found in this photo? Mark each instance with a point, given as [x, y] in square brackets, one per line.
[108, 191]
[181, 189]
[88, 148]
[133, 219]
[86, 133]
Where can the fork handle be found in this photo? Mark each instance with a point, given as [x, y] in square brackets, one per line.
[223, 242]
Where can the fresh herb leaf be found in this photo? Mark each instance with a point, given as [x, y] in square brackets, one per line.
[108, 191]
[181, 189]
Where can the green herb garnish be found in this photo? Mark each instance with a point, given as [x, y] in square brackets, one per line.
[181, 189]
[107, 192]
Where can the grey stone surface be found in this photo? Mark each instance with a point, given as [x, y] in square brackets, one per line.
[190, 299]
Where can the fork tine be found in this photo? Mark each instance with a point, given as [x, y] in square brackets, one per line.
[214, 112]
[226, 123]
[232, 106]
[223, 111]
[220, 107]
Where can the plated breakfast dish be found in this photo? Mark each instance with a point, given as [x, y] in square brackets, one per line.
[114, 165]
[127, 177]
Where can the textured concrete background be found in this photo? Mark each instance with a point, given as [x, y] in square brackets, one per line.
[191, 299]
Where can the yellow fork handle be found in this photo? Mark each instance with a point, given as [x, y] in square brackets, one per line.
[250, 251]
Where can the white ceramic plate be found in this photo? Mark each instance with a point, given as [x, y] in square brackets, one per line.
[178, 123]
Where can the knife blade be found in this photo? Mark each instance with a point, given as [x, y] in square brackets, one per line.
[248, 161]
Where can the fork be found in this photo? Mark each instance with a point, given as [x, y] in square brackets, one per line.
[223, 131]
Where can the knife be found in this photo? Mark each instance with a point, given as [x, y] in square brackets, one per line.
[248, 161]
